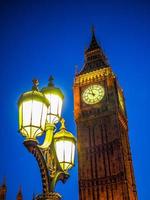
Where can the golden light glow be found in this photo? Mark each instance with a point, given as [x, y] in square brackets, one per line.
[54, 111]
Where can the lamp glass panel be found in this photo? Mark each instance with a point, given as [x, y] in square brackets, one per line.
[65, 153]
[59, 151]
[20, 116]
[36, 113]
[27, 110]
[36, 132]
[73, 152]
[44, 115]
[28, 131]
[33, 130]
[55, 107]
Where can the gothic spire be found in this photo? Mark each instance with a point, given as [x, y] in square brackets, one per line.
[19, 195]
[33, 197]
[4, 181]
[3, 189]
[94, 56]
[93, 44]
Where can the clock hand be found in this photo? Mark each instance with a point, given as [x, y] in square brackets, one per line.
[92, 93]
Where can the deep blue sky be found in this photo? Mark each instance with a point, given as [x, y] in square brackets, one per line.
[39, 38]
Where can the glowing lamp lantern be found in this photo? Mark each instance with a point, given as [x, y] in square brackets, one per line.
[55, 98]
[65, 143]
[33, 108]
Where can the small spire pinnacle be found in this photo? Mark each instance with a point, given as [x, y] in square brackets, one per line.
[3, 187]
[51, 79]
[19, 195]
[33, 196]
[76, 69]
[62, 124]
[93, 30]
[35, 84]
[4, 181]
[93, 44]
[20, 190]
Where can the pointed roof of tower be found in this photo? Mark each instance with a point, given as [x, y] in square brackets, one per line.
[3, 189]
[94, 56]
[19, 195]
[93, 44]
[3, 186]
[4, 181]
[33, 197]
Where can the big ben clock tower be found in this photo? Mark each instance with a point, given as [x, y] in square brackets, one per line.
[104, 156]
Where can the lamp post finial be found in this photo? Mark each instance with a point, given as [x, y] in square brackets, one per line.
[35, 84]
[51, 79]
[62, 124]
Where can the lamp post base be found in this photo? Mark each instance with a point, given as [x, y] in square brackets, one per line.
[50, 196]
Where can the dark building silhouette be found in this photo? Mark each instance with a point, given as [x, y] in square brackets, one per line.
[104, 156]
[3, 190]
[19, 195]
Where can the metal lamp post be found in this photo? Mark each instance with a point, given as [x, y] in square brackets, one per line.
[39, 112]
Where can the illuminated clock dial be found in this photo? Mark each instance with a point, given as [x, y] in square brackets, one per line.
[93, 94]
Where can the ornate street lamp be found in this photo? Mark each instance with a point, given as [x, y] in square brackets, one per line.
[39, 112]
[65, 147]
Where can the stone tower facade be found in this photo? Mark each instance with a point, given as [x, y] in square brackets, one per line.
[104, 156]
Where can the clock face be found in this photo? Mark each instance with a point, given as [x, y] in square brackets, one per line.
[93, 94]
